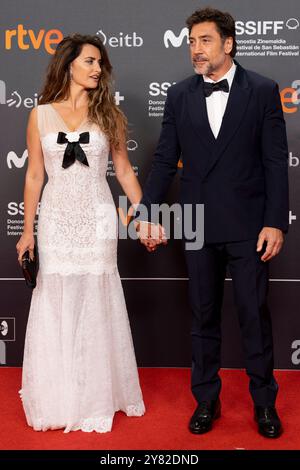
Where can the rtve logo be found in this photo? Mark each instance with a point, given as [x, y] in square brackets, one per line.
[26, 39]
[250, 28]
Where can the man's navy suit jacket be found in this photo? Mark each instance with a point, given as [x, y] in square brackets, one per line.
[242, 176]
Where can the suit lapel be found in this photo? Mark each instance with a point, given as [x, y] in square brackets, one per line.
[198, 112]
[237, 103]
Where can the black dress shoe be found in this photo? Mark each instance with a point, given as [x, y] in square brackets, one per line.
[205, 413]
[268, 421]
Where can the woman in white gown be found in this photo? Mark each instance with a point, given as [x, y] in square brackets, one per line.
[79, 364]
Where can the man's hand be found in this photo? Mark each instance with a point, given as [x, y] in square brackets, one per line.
[274, 239]
[150, 235]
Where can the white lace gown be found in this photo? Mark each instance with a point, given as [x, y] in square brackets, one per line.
[79, 365]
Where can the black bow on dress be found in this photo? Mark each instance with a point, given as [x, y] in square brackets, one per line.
[73, 150]
[209, 88]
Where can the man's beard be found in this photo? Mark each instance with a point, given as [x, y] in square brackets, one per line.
[205, 69]
[206, 66]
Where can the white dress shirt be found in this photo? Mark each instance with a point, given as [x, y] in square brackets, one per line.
[217, 101]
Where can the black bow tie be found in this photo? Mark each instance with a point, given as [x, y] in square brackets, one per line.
[73, 150]
[209, 88]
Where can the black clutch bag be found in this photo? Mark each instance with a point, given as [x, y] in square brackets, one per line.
[30, 268]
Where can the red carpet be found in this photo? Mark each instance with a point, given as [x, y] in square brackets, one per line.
[169, 406]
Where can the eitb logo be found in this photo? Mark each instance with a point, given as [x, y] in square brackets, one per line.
[7, 333]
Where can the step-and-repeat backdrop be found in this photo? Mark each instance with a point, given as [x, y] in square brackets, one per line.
[147, 44]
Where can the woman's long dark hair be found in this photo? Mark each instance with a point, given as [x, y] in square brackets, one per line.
[102, 108]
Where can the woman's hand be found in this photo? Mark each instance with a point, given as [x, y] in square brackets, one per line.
[25, 243]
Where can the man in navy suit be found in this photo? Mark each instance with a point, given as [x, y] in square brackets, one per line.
[227, 125]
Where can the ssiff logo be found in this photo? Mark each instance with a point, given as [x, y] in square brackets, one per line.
[250, 28]
[262, 28]
[26, 39]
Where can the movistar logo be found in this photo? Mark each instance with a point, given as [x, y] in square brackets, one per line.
[176, 41]
[12, 158]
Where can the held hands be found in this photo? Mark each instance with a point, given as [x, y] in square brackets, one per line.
[274, 240]
[150, 235]
[25, 243]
